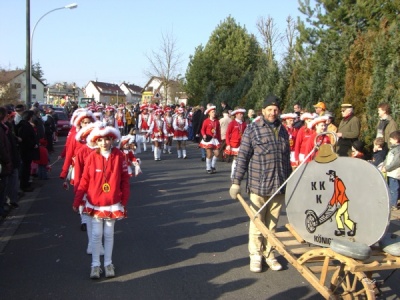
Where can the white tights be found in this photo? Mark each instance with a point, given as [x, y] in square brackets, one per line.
[102, 227]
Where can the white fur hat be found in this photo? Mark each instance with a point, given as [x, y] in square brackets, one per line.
[82, 115]
[99, 132]
[289, 116]
[239, 110]
[209, 109]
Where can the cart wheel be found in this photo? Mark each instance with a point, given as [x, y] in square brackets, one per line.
[311, 222]
[347, 285]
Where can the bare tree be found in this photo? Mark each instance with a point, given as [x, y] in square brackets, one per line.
[291, 33]
[165, 62]
[270, 35]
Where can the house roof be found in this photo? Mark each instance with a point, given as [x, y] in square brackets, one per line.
[134, 88]
[106, 88]
[146, 87]
[7, 76]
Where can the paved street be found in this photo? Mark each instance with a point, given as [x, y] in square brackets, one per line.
[184, 238]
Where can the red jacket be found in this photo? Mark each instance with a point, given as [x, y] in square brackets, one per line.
[339, 193]
[44, 157]
[99, 170]
[79, 163]
[234, 133]
[303, 135]
[212, 128]
[72, 147]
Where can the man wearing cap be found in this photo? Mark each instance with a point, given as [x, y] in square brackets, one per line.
[320, 108]
[348, 130]
[264, 154]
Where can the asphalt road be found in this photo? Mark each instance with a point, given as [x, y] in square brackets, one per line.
[184, 238]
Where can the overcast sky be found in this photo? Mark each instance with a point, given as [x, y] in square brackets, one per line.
[107, 40]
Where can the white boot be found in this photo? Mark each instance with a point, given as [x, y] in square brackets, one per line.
[144, 146]
[158, 153]
[179, 153]
[155, 154]
[184, 153]
[169, 150]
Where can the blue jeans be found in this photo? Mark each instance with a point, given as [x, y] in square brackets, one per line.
[394, 185]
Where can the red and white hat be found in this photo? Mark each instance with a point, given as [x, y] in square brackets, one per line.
[83, 133]
[121, 106]
[110, 108]
[143, 107]
[79, 118]
[237, 111]
[126, 139]
[159, 112]
[318, 120]
[100, 132]
[167, 109]
[306, 116]
[75, 113]
[180, 110]
[209, 109]
[289, 116]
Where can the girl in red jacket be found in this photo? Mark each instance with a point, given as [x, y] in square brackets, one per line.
[105, 181]
[211, 133]
[234, 134]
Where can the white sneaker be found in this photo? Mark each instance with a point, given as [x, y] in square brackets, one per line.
[110, 270]
[273, 264]
[95, 272]
[256, 263]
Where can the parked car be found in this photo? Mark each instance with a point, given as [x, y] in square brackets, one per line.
[63, 122]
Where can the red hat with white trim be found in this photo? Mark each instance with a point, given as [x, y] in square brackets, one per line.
[81, 116]
[101, 132]
[83, 133]
[318, 120]
[209, 109]
[110, 108]
[75, 114]
[306, 116]
[143, 107]
[159, 112]
[238, 111]
[289, 116]
[180, 110]
[126, 139]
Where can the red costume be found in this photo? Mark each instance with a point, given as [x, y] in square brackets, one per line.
[302, 137]
[233, 137]
[99, 171]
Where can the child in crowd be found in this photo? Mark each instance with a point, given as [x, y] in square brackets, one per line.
[391, 166]
[380, 152]
[44, 159]
[131, 160]
[105, 181]
[357, 150]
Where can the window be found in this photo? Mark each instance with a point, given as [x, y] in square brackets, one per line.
[17, 85]
[33, 86]
[33, 96]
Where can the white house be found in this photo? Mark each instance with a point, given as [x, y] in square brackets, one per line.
[17, 79]
[155, 91]
[132, 92]
[104, 92]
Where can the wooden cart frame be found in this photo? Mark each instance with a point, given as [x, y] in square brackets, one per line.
[333, 275]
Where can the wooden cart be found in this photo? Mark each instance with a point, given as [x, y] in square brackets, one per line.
[333, 275]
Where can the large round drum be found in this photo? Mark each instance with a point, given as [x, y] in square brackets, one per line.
[346, 198]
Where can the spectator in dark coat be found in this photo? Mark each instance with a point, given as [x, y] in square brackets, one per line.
[29, 148]
[5, 160]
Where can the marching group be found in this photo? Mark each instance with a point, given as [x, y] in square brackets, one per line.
[100, 156]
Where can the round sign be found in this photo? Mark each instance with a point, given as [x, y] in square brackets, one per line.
[346, 198]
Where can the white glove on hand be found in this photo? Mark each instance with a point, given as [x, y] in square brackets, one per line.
[234, 191]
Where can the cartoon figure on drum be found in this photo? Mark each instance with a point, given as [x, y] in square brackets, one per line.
[339, 198]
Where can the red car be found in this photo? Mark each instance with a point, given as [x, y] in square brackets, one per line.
[63, 123]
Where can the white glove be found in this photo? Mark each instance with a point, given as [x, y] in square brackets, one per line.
[234, 191]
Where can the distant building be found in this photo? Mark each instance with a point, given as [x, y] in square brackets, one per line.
[17, 79]
[108, 93]
[155, 91]
[132, 92]
[59, 93]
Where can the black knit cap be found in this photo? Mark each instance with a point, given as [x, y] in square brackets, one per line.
[271, 100]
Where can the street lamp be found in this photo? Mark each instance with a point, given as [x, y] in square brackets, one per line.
[29, 64]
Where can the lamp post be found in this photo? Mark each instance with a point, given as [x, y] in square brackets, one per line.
[29, 63]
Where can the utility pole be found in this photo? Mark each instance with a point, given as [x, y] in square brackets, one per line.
[28, 67]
